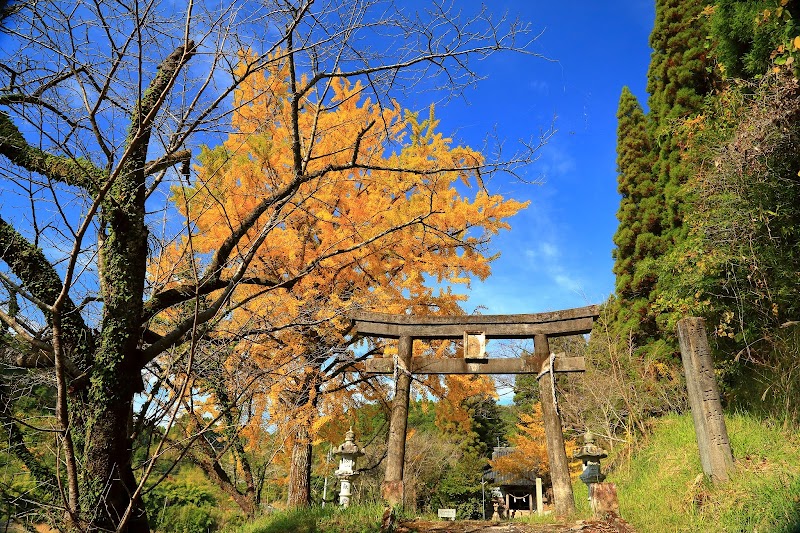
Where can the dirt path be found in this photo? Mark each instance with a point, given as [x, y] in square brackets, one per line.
[474, 526]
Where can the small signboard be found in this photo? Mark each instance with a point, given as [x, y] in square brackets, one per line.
[447, 513]
[474, 345]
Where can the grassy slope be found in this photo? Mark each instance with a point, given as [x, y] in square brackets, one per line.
[659, 488]
[331, 519]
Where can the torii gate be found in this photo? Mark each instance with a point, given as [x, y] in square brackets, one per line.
[474, 329]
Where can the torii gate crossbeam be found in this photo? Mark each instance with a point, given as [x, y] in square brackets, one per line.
[538, 327]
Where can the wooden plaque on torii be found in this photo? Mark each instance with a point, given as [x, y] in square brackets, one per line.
[539, 327]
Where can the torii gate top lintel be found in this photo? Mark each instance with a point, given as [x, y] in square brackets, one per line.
[523, 326]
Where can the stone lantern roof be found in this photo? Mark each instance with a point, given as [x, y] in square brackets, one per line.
[590, 451]
[349, 446]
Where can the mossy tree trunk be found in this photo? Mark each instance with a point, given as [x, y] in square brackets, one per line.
[116, 377]
[97, 373]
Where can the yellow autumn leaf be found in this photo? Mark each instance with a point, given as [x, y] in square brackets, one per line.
[365, 236]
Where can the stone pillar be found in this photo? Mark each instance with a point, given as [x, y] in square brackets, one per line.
[556, 453]
[344, 493]
[392, 488]
[539, 498]
[709, 424]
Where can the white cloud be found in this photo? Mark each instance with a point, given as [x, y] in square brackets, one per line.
[568, 282]
[539, 86]
[549, 250]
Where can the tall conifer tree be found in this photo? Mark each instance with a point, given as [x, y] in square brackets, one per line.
[678, 80]
[637, 237]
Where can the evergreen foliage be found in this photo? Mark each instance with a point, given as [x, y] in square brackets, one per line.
[747, 32]
[488, 423]
[718, 165]
[738, 265]
[678, 79]
[651, 168]
[678, 76]
[526, 391]
[639, 218]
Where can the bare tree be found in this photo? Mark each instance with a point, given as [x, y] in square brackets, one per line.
[100, 102]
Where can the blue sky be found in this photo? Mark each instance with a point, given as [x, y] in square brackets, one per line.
[558, 252]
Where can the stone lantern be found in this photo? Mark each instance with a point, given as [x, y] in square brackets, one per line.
[590, 454]
[348, 452]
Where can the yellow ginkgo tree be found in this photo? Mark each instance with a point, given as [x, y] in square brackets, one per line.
[336, 203]
[528, 458]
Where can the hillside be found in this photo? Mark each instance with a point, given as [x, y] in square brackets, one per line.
[660, 487]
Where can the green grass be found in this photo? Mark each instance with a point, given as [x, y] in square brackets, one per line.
[581, 494]
[330, 519]
[660, 489]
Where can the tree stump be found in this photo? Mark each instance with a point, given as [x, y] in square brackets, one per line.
[603, 500]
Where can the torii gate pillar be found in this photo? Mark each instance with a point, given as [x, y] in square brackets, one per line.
[553, 432]
[392, 489]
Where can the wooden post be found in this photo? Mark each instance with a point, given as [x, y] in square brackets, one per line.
[709, 423]
[556, 453]
[392, 488]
